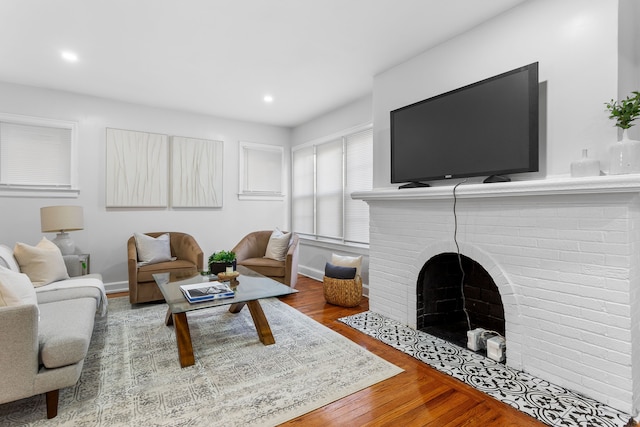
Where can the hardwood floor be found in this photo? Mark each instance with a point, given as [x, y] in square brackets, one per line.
[419, 396]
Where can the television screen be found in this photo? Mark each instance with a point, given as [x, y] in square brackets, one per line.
[486, 128]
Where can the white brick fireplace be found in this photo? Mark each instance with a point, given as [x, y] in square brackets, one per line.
[564, 254]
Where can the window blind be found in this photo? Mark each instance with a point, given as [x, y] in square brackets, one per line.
[329, 195]
[359, 177]
[324, 176]
[303, 190]
[35, 155]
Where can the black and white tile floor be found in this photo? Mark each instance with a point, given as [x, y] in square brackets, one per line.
[551, 404]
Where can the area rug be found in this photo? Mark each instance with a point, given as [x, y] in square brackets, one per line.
[132, 376]
[549, 403]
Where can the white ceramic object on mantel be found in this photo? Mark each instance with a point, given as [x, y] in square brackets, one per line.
[624, 156]
[585, 166]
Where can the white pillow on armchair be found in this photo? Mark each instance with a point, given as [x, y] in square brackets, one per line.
[152, 250]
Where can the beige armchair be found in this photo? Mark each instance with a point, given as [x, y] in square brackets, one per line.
[189, 259]
[250, 253]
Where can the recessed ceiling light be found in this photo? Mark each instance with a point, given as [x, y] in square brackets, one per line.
[268, 99]
[69, 56]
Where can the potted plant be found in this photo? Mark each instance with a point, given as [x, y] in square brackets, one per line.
[625, 111]
[624, 156]
[219, 261]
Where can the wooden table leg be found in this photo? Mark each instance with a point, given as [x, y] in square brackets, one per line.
[183, 338]
[236, 308]
[168, 320]
[262, 325]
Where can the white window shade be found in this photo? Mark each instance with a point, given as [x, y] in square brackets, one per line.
[325, 173]
[329, 189]
[359, 177]
[37, 155]
[303, 190]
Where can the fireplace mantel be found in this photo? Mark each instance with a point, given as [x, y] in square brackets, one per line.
[554, 186]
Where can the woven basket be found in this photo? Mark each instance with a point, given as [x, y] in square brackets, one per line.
[343, 292]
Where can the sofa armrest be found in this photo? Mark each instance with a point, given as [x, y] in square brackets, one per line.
[19, 355]
[132, 266]
[291, 262]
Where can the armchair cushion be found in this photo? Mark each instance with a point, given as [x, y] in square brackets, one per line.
[43, 263]
[152, 250]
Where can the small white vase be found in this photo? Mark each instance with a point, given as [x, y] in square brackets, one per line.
[585, 166]
[624, 156]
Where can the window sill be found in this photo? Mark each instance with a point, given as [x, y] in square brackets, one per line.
[345, 247]
[260, 196]
[16, 191]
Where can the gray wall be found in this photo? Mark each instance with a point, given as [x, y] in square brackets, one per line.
[107, 230]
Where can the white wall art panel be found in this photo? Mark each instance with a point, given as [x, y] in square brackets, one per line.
[196, 173]
[136, 167]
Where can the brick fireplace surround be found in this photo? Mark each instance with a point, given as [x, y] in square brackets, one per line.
[564, 254]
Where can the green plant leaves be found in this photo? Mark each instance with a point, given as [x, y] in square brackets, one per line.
[625, 111]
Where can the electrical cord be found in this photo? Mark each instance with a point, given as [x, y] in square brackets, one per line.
[455, 240]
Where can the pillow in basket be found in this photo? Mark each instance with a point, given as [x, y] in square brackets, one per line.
[347, 261]
[338, 272]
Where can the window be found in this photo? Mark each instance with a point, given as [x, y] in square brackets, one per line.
[261, 171]
[37, 157]
[324, 176]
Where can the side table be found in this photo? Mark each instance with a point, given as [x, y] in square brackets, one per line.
[85, 263]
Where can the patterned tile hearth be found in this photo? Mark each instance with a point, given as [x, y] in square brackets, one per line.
[549, 403]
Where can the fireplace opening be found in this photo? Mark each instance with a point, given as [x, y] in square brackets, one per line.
[441, 297]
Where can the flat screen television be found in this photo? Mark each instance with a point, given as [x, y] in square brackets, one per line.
[488, 128]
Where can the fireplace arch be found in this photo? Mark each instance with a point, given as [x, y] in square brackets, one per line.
[455, 294]
[512, 314]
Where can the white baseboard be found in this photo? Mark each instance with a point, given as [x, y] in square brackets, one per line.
[311, 272]
[115, 287]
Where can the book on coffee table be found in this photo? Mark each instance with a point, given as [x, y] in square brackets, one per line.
[206, 291]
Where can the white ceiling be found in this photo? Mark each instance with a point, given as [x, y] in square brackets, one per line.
[220, 57]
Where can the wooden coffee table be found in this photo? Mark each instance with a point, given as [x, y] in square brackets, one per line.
[252, 287]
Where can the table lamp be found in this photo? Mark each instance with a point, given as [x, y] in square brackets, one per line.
[62, 219]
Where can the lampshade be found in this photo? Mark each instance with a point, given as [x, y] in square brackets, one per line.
[61, 218]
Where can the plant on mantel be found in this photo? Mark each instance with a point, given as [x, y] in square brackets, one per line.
[624, 155]
[624, 112]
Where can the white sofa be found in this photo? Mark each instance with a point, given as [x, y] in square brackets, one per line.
[44, 345]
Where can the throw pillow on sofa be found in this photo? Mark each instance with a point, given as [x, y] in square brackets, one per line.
[43, 263]
[152, 250]
[278, 245]
[7, 259]
[16, 289]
